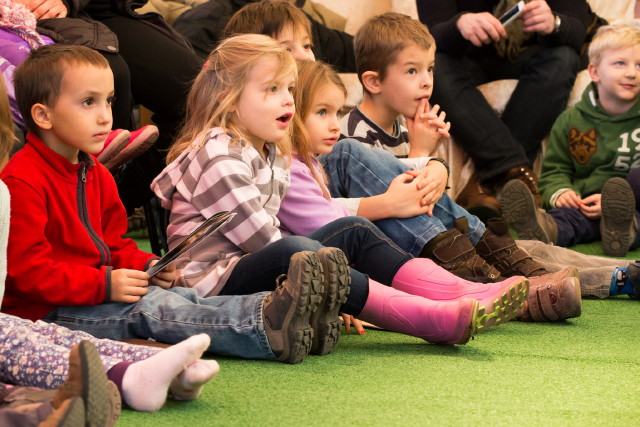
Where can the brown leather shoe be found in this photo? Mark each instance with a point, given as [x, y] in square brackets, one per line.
[553, 297]
[521, 212]
[477, 201]
[497, 247]
[526, 175]
[453, 251]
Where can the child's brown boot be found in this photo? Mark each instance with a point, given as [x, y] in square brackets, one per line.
[617, 226]
[497, 247]
[453, 251]
[286, 311]
[521, 212]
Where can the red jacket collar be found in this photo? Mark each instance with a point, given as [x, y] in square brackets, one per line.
[58, 162]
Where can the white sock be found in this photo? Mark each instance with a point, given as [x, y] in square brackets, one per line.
[188, 384]
[146, 383]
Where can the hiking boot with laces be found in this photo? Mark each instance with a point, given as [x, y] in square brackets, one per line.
[287, 310]
[324, 321]
[553, 297]
[521, 212]
[453, 251]
[497, 247]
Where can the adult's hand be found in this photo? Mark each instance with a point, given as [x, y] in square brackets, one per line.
[43, 9]
[481, 28]
[537, 17]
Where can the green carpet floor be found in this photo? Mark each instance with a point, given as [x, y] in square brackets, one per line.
[582, 372]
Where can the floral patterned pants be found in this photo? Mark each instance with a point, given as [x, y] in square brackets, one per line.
[37, 354]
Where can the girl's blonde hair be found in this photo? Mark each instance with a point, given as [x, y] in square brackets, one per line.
[313, 76]
[613, 37]
[7, 137]
[220, 83]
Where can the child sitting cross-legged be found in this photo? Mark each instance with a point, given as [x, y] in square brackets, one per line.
[67, 260]
[592, 148]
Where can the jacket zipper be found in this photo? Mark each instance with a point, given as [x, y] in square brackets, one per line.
[83, 214]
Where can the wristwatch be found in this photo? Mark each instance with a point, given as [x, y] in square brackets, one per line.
[557, 21]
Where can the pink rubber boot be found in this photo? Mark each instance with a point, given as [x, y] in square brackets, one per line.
[499, 301]
[441, 322]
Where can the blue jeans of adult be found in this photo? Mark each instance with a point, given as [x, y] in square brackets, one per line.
[496, 144]
[355, 170]
[368, 250]
[234, 323]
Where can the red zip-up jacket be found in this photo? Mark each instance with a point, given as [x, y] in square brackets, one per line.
[66, 230]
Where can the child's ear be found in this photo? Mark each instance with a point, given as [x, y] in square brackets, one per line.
[371, 81]
[593, 72]
[40, 115]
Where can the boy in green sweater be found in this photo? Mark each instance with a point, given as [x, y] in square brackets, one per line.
[592, 149]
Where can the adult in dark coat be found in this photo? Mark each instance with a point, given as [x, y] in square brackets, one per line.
[203, 24]
[153, 65]
[542, 51]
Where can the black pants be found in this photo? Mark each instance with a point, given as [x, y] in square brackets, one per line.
[496, 144]
[155, 71]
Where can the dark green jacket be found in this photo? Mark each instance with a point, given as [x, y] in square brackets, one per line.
[587, 146]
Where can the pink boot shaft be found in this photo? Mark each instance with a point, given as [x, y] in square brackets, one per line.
[500, 300]
[449, 322]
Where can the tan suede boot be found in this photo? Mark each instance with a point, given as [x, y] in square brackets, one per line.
[553, 297]
[87, 380]
[497, 247]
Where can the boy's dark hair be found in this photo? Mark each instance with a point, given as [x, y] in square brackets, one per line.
[267, 17]
[379, 41]
[39, 78]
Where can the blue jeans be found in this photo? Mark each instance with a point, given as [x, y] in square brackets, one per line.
[234, 323]
[368, 250]
[358, 171]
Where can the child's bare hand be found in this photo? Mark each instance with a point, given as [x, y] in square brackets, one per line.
[591, 206]
[128, 285]
[404, 198]
[569, 199]
[433, 180]
[350, 320]
[165, 277]
[43, 9]
[426, 128]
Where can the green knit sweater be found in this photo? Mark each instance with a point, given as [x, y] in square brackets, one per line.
[587, 146]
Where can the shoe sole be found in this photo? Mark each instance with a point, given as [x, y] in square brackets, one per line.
[97, 394]
[139, 145]
[305, 270]
[337, 281]
[521, 212]
[73, 415]
[117, 144]
[618, 210]
[504, 308]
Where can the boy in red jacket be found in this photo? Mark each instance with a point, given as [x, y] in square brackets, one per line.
[67, 260]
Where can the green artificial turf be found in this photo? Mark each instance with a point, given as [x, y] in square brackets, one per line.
[582, 372]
